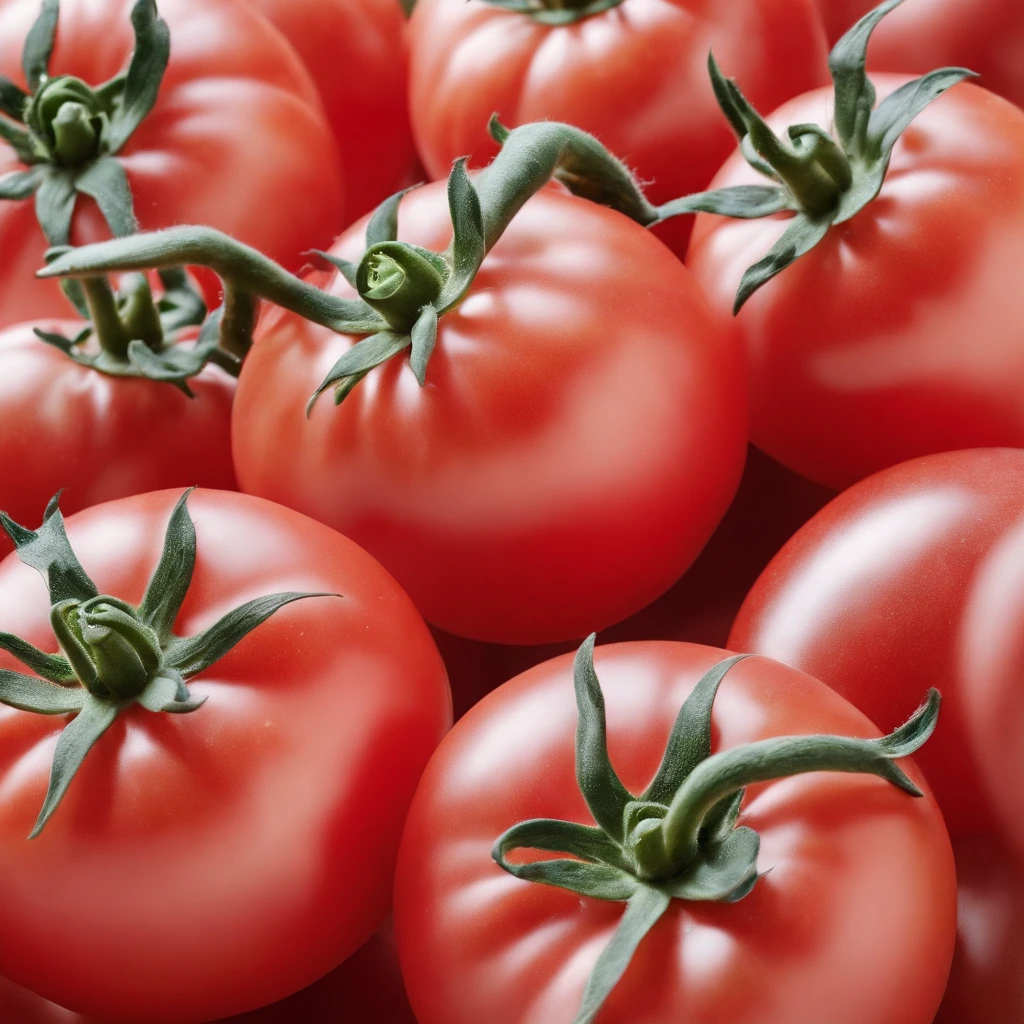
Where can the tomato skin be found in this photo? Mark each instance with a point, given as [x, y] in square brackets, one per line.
[237, 117]
[870, 597]
[581, 388]
[635, 76]
[898, 335]
[100, 437]
[366, 987]
[986, 983]
[355, 51]
[258, 834]
[771, 504]
[992, 658]
[844, 852]
[986, 36]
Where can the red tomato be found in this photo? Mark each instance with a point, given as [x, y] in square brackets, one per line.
[986, 983]
[63, 425]
[986, 36]
[206, 864]
[770, 506]
[580, 435]
[869, 597]
[634, 75]
[236, 140]
[992, 659]
[898, 334]
[367, 987]
[841, 852]
[356, 54]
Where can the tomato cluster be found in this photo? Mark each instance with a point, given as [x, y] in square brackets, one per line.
[667, 436]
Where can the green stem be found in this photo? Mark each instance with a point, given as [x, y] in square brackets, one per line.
[110, 330]
[139, 313]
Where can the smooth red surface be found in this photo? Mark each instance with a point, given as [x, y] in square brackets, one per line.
[366, 989]
[635, 76]
[899, 334]
[355, 51]
[986, 36]
[249, 846]
[854, 921]
[771, 504]
[581, 433]
[237, 139]
[870, 597]
[986, 983]
[992, 660]
[100, 437]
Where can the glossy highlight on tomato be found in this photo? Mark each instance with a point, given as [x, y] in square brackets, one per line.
[871, 595]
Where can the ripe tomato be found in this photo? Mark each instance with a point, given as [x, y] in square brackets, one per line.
[992, 656]
[898, 334]
[63, 425]
[870, 595]
[236, 139]
[355, 51]
[580, 389]
[633, 74]
[986, 983]
[248, 846]
[986, 36]
[19, 1006]
[841, 852]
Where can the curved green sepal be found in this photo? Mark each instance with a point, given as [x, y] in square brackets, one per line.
[49, 552]
[105, 180]
[51, 667]
[30, 693]
[194, 654]
[35, 57]
[13, 100]
[359, 360]
[77, 739]
[644, 910]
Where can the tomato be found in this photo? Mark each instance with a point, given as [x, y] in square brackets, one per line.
[248, 846]
[984, 35]
[64, 425]
[897, 335]
[770, 506]
[580, 389]
[366, 987]
[871, 594]
[986, 983]
[992, 654]
[19, 1006]
[632, 74]
[839, 852]
[355, 51]
[236, 139]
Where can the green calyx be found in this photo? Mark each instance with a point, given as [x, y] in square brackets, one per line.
[824, 180]
[68, 133]
[404, 290]
[132, 334]
[681, 838]
[556, 12]
[113, 654]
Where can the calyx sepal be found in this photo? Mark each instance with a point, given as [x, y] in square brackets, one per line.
[114, 655]
[822, 180]
[682, 837]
